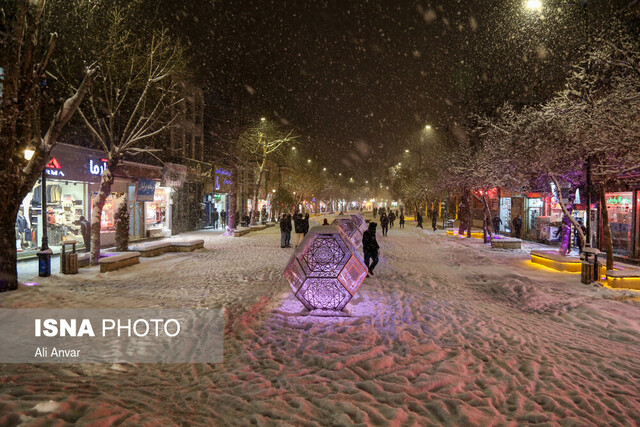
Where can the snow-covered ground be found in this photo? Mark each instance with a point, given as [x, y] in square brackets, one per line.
[447, 332]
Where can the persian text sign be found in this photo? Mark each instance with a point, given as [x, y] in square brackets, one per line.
[111, 335]
[146, 190]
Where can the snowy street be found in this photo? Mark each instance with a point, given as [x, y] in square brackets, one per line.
[447, 332]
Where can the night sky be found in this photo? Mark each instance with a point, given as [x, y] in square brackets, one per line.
[357, 79]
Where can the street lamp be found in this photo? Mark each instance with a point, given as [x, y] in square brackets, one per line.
[324, 169]
[308, 160]
[28, 153]
[262, 119]
[427, 127]
[293, 148]
[534, 5]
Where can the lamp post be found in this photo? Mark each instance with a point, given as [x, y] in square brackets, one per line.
[44, 255]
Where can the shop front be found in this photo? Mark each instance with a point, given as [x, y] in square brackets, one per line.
[534, 209]
[190, 182]
[219, 198]
[620, 210]
[70, 173]
[73, 181]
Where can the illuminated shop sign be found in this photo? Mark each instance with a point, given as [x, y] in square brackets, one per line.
[53, 168]
[619, 200]
[97, 168]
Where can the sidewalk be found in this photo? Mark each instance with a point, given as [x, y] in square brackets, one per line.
[28, 267]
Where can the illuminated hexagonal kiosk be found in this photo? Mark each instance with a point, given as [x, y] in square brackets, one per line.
[325, 271]
[359, 221]
[350, 227]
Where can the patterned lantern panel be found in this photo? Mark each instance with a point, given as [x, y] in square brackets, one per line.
[350, 228]
[326, 270]
[359, 221]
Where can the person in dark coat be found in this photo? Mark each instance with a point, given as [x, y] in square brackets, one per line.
[401, 220]
[298, 223]
[419, 219]
[370, 247]
[392, 218]
[517, 226]
[384, 223]
[375, 212]
[214, 218]
[223, 218]
[434, 221]
[325, 222]
[306, 223]
[85, 230]
[287, 222]
[496, 224]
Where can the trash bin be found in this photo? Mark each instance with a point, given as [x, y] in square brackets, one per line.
[586, 273]
[44, 263]
[69, 260]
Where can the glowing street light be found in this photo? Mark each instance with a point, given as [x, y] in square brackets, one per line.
[340, 174]
[308, 160]
[262, 119]
[28, 153]
[399, 164]
[324, 169]
[535, 5]
[293, 148]
[427, 127]
[406, 151]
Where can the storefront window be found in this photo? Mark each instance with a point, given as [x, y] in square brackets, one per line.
[505, 213]
[534, 210]
[65, 204]
[620, 209]
[156, 215]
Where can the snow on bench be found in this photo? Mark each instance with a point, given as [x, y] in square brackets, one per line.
[187, 246]
[257, 227]
[241, 231]
[506, 243]
[115, 262]
[628, 278]
[151, 249]
[554, 260]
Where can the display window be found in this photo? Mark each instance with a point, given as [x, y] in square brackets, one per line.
[505, 213]
[156, 212]
[65, 202]
[620, 210]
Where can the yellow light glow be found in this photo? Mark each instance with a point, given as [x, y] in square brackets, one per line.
[427, 127]
[406, 151]
[535, 5]
[308, 160]
[262, 119]
[293, 148]
[28, 153]
[572, 267]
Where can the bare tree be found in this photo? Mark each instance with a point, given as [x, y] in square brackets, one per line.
[132, 101]
[261, 142]
[25, 56]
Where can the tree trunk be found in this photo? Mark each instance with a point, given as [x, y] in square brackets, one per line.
[106, 181]
[567, 214]
[8, 253]
[256, 191]
[606, 230]
[469, 214]
[486, 214]
[233, 204]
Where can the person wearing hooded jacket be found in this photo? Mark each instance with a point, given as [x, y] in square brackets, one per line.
[370, 247]
[298, 224]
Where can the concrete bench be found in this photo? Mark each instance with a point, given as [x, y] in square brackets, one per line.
[506, 243]
[555, 261]
[629, 278]
[121, 260]
[151, 249]
[271, 224]
[241, 231]
[257, 227]
[84, 260]
[187, 246]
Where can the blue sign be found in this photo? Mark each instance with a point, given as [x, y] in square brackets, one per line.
[145, 191]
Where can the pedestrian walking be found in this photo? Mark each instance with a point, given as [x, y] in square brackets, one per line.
[283, 231]
[223, 218]
[419, 219]
[85, 230]
[288, 229]
[325, 222]
[434, 221]
[306, 224]
[496, 224]
[214, 218]
[384, 223]
[392, 218]
[298, 225]
[370, 247]
[402, 220]
[517, 226]
[375, 212]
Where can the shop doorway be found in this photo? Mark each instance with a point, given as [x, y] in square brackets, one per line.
[136, 215]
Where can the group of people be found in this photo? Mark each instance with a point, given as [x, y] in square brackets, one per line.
[300, 226]
[388, 220]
